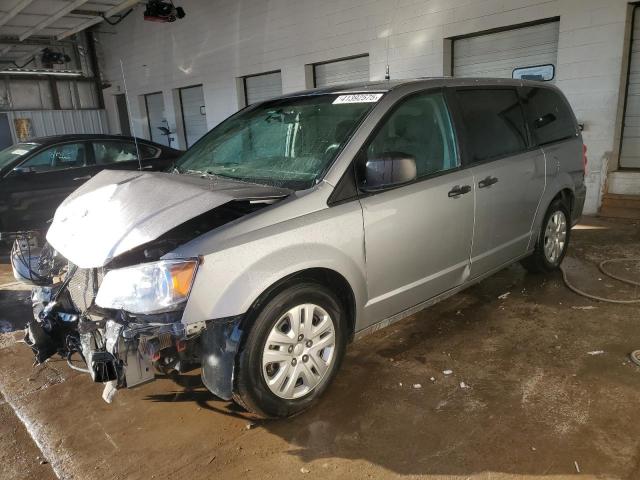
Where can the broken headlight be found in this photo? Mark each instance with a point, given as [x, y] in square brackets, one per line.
[148, 288]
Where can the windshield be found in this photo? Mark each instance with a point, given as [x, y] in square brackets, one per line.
[286, 143]
[11, 153]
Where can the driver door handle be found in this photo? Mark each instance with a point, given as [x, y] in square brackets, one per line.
[79, 179]
[487, 182]
[458, 190]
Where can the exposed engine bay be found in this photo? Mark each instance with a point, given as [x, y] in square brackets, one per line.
[119, 348]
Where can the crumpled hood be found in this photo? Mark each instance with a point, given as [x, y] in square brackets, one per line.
[117, 211]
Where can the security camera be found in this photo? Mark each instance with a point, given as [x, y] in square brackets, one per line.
[49, 58]
[162, 11]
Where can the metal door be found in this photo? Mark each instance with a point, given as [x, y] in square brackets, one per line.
[194, 115]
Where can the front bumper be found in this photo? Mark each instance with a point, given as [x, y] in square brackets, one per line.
[124, 352]
[118, 350]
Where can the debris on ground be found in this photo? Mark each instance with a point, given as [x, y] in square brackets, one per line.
[249, 426]
[304, 470]
[587, 307]
[433, 379]
[577, 467]
[464, 385]
[504, 296]
[417, 386]
[596, 352]
[447, 372]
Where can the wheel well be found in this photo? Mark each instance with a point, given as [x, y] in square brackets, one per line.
[325, 277]
[566, 195]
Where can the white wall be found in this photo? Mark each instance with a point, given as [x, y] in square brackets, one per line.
[220, 40]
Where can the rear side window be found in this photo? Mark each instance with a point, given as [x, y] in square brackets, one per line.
[495, 125]
[549, 115]
[108, 152]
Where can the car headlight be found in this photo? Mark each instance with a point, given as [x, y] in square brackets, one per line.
[148, 288]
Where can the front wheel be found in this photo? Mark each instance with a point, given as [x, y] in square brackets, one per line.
[553, 241]
[292, 352]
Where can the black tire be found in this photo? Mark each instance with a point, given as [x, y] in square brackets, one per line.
[250, 388]
[538, 261]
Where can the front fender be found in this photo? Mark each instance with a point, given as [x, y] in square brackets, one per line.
[229, 281]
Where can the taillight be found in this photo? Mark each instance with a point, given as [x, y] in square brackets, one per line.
[584, 159]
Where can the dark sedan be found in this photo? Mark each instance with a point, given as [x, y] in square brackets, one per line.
[35, 176]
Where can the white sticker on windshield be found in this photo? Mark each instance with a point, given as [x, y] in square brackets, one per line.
[358, 98]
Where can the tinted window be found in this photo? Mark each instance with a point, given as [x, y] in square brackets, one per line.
[419, 127]
[549, 115]
[109, 152]
[494, 123]
[68, 155]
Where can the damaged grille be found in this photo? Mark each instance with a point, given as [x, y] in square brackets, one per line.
[83, 286]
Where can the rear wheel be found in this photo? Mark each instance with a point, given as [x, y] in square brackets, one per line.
[292, 352]
[552, 244]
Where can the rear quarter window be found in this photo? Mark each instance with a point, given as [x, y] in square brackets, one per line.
[494, 123]
[549, 115]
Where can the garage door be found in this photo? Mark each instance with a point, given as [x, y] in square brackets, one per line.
[155, 116]
[630, 152]
[498, 54]
[258, 88]
[194, 115]
[351, 70]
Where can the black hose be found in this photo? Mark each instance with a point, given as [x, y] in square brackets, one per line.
[601, 266]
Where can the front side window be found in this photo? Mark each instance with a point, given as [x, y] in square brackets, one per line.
[60, 157]
[494, 123]
[420, 127]
[287, 142]
[549, 115]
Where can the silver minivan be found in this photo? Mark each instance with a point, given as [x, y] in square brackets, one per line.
[300, 224]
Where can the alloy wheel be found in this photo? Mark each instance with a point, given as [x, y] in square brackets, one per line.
[555, 237]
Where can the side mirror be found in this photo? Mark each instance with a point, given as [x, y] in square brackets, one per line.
[389, 170]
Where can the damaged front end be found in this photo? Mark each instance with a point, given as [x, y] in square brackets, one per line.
[107, 289]
[118, 348]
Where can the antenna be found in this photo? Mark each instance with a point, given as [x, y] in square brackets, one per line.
[126, 97]
[387, 75]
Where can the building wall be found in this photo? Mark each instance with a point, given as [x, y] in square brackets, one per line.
[220, 40]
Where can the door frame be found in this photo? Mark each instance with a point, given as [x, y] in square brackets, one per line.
[626, 77]
[244, 83]
[146, 108]
[126, 116]
[450, 41]
[184, 125]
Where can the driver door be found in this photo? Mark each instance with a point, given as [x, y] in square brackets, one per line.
[417, 236]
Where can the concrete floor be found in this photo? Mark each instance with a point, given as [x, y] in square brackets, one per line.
[526, 399]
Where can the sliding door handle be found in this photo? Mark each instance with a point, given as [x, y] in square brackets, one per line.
[81, 179]
[487, 182]
[459, 190]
